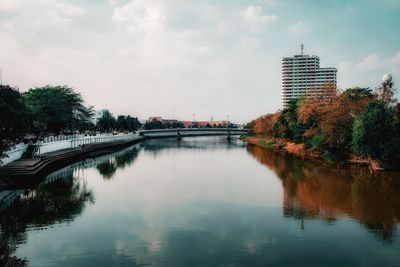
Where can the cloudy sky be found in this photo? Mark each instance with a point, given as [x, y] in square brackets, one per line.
[173, 58]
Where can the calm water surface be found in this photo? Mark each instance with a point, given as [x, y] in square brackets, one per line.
[203, 202]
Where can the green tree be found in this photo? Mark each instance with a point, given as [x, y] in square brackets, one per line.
[153, 124]
[376, 132]
[55, 108]
[127, 123]
[107, 122]
[133, 123]
[288, 125]
[357, 93]
[122, 123]
[13, 121]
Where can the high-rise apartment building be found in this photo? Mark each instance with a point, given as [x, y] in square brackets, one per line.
[302, 76]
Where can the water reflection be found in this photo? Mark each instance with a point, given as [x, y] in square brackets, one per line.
[313, 189]
[57, 198]
[108, 165]
[156, 146]
[59, 201]
[201, 202]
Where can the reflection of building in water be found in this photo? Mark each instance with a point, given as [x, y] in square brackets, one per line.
[314, 190]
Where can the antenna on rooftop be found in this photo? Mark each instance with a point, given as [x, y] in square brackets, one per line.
[302, 48]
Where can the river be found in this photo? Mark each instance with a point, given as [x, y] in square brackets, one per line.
[204, 202]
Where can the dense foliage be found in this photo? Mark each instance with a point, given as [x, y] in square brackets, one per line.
[157, 124]
[55, 108]
[13, 113]
[356, 121]
[51, 110]
[108, 123]
[376, 132]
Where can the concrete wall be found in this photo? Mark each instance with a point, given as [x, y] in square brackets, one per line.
[13, 154]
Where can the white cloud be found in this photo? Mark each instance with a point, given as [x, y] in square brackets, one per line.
[298, 28]
[42, 12]
[139, 14]
[369, 63]
[204, 50]
[196, 51]
[255, 17]
[368, 71]
[68, 10]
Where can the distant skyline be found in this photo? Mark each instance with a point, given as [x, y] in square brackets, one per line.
[176, 58]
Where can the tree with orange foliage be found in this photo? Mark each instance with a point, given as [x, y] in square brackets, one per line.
[263, 125]
[310, 113]
[338, 117]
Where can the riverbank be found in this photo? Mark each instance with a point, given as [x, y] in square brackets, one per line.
[300, 150]
[27, 170]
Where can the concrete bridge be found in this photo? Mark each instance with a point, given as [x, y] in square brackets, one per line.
[188, 132]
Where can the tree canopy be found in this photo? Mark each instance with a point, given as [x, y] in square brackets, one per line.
[376, 132]
[107, 122]
[13, 114]
[357, 121]
[55, 109]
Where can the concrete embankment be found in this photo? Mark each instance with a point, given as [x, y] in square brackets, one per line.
[19, 170]
[54, 153]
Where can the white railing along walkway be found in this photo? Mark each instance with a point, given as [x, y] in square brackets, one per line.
[54, 143]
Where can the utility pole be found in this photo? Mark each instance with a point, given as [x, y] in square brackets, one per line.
[1, 77]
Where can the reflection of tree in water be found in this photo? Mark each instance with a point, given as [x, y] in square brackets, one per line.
[127, 158]
[314, 189]
[57, 202]
[108, 167]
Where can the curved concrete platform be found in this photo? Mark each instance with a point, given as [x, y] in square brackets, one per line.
[19, 170]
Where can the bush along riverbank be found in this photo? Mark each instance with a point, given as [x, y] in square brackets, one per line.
[300, 150]
[358, 126]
